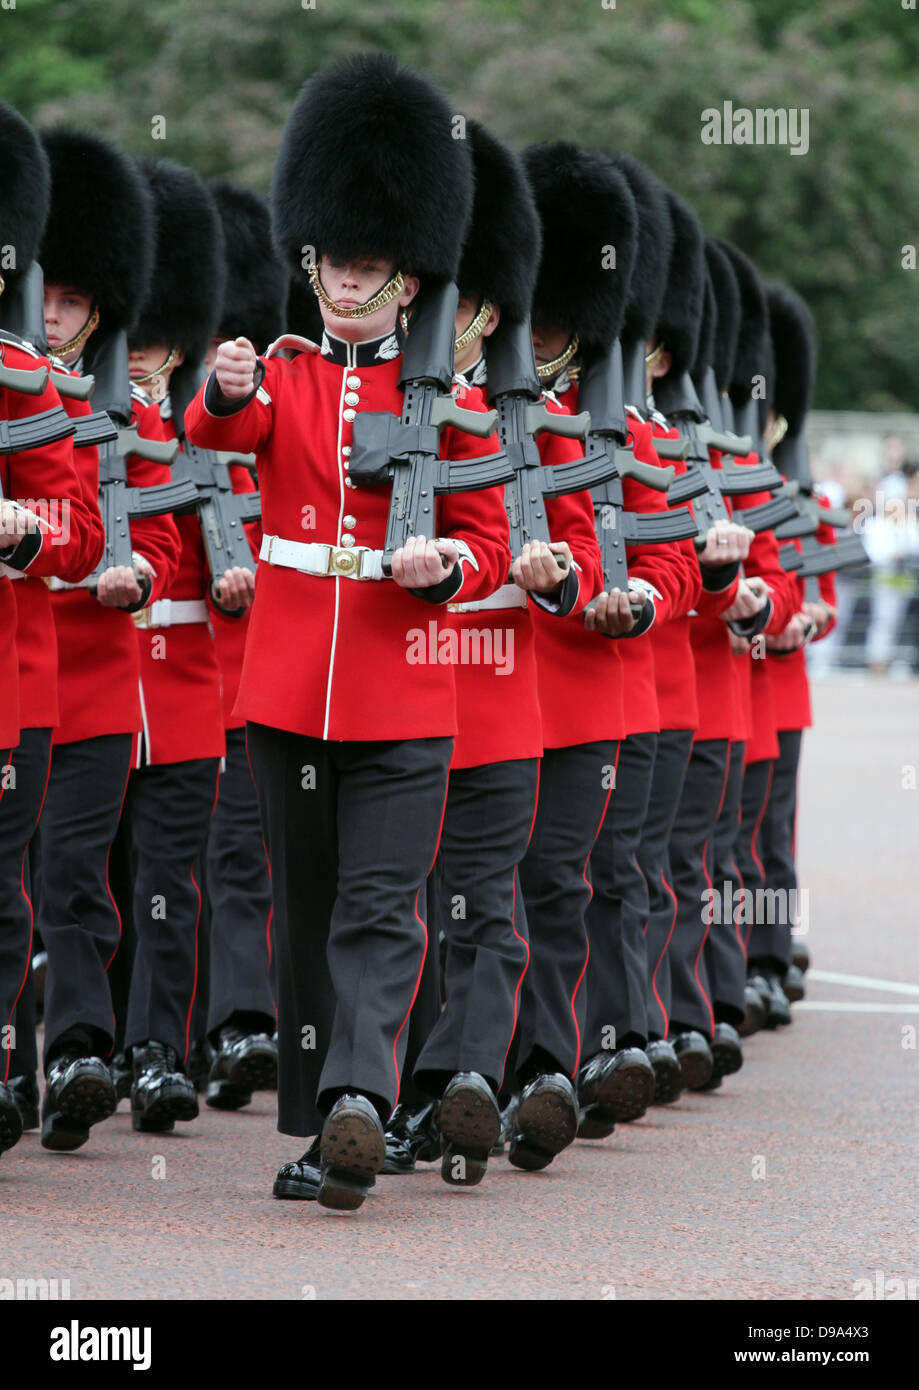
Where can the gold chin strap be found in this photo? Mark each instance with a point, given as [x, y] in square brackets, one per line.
[390, 290]
[2, 284]
[652, 358]
[549, 369]
[159, 377]
[777, 433]
[475, 328]
[77, 341]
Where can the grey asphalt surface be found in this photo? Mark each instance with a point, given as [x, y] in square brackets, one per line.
[795, 1180]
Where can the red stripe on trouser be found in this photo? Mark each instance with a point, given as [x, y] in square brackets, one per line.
[753, 839]
[194, 987]
[424, 954]
[660, 1003]
[590, 893]
[526, 944]
[22, 884]
[695, 968]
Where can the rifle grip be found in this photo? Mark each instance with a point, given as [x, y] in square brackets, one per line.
[539, 420]
[153, 450]
[671, 448]
[73, 388]
[26, 382]
[445, 411]
[648, 473]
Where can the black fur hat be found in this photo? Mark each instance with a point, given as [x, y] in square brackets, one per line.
[25, 192]
[652, 258]
[794, 341]
[680, 320]
[586, 209]
[302, 314]
[256, 283]
[369, 165]
[708, 331]
[502, 247]
[186, 293]
[99, 236]
[750, 359]
[727, 301]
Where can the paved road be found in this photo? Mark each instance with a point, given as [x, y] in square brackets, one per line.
[796, 1180]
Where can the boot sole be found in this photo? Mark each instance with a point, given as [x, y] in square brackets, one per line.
[470, 1123]
[546, 1124]
[353, 1150]
[695, 1070]
[257, 1072]
[626, 1094]
[594, 1125]
[727, 1059]
[161, 1114]
[224, 1095]
[10, 1127]
[88, 1100]
[668, 1083]
[288, 1189]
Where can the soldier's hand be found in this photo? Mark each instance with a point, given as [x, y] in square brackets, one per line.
[726, 543]
[739, 645]
[612, 614]
[536, 567]
[236, 588]
[15, 522]
[820, 615]
[119, 587]
[751, 597]
[419, 564]
[235, 367]
[793, 636]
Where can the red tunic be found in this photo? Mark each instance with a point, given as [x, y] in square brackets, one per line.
[180, 691]
[62, 482]
[674, 666]
[98, 662]
[336, 658]
[498, 714]
[230, 633]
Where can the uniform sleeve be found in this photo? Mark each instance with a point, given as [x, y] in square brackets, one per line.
[670, 571]
[52, 483]
[156, 538]
[571, 519]
[245, 425]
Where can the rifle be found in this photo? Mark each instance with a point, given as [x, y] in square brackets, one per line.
[406, 449]
[45, 427]
[206, 472]
[847, 552]
[515, 391]
[600, 391]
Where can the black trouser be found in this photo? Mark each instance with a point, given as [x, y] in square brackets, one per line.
[725, 957]
[673, 749]
[691, 849]
[78, 918]
[757, 784]
[168, 808]
[23, 779]
[770, 939]
[575, 786]
[617, 973]
[352, 832]
[485, 834]
[24, 1056]
[239, 898]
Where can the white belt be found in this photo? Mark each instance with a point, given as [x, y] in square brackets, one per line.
[167, 612]
[508, 596]
[58, 586]
[323, 561]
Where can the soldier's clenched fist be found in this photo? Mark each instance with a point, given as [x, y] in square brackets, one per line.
[235, 367]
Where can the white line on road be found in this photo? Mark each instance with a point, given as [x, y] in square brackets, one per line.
[832, 977]
[858, 1008]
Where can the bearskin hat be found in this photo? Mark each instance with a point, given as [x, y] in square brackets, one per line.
[501, 251]
[794, 341]
[652, 257]
[749, 360]
[256, 283]
[587, 210]
[302, 314]
[727, 302]
[708, 331]
[680, 320]
[25, 192]
[99, 236]
[186, 293]
[369, 165]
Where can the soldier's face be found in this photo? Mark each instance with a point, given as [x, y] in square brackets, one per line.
[66, 311]
[549, 343]
[351, 284]
[466, 310]
[144, 360]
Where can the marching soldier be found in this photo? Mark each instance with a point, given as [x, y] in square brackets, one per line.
[350, 741]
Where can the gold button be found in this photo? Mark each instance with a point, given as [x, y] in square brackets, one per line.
[352, 398]
[347, 539]
[353, 383]
[348, 483]
[350, 522]
[349, 415]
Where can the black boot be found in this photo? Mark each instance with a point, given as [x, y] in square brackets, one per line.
[668, 1079]
[78, 1093]
[245, 1062]
[10, 1120]
[545, 1121]
[412, 1137]
[161, 1093]
[24, 1090]
[470, 1121]
[300, 1180]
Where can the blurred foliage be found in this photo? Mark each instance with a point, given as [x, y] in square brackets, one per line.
[636, 76]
